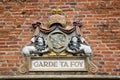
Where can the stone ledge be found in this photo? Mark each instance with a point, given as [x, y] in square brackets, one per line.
[60, 77]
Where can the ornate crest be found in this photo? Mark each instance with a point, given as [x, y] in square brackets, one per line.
[59, 42]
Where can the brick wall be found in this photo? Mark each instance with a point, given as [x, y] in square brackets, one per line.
[101, 28]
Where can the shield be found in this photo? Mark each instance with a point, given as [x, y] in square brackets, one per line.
[57, 41]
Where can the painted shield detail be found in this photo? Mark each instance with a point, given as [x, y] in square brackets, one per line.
[57, 41]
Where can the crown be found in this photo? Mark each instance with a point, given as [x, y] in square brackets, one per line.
[56, 11]
[57, 17]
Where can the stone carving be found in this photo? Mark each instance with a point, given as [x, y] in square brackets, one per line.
[38, 46]
[91, 66]
[56, 39]
[24, 67]
[77, 46]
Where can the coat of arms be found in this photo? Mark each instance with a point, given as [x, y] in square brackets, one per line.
[59, 42]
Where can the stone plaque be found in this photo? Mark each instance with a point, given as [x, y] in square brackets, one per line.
[58, 64]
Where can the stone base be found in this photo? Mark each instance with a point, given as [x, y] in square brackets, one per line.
[85, 65]
[60, 77]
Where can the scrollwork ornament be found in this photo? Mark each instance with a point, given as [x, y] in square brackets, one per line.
[23, 68]
[92, 67]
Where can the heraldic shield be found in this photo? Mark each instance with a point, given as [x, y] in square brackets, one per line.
[57, 41]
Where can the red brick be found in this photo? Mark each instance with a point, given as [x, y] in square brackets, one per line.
[101, 48]
[11, 42]
[16, 32]
[4, 65]
[71, 0]
[108, 59]
[11, 65]
[115, 13]
[118, 58]
[13, 61]
[113, 73]
[54, 0]
[112, 62]
[59, 3]
[81, 0]
[4, 69]
[107, 52]
[112, 44]
[98, 58]
[64, 0]
[108, 69]
[43, 0]
[11, 57]
[110, 66]
[32, 0]
[101, 69]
